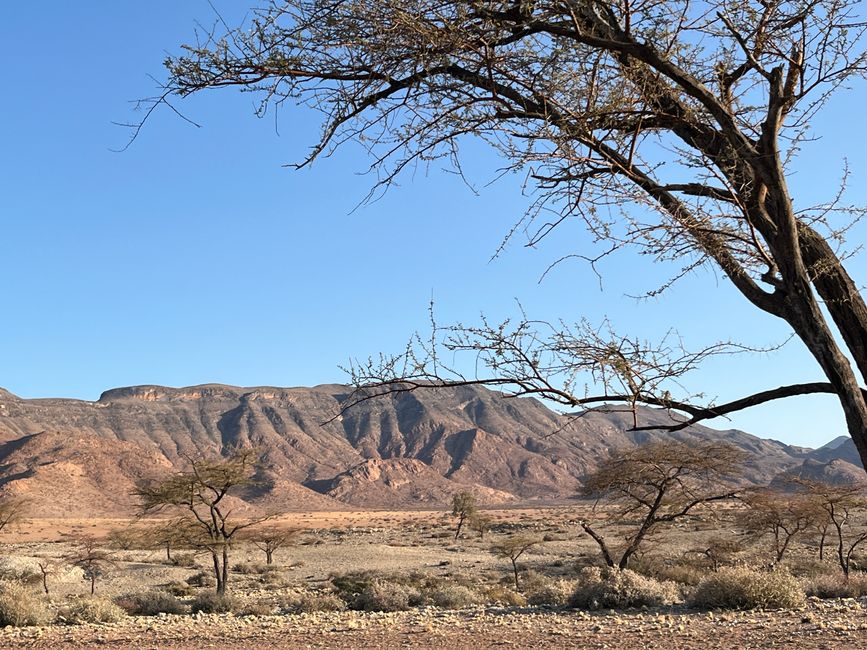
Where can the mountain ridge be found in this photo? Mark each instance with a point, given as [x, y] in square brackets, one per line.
[426, 442]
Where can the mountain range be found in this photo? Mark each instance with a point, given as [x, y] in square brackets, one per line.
[75, 458]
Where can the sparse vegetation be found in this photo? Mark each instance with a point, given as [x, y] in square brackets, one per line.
[20, 606]
[93, 560]
[213, 602]
[91, 610]
[512, 548]
[613, 588]
[150, 603]
[748, 588]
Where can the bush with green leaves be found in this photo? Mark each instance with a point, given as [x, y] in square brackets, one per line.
[150, 603]
[611, 588]
[91, 610]
[748, 588]
[20, 606]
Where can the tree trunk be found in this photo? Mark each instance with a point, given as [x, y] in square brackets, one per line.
[169, 552]
[218, 573]
[269, 556]
[225, 568]
[92, 584]
[515, 569]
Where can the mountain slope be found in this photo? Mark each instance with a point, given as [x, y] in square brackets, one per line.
[460, 438]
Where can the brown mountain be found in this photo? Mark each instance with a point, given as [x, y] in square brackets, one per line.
[403, 450]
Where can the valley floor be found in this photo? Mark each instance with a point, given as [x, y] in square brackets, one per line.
[823, 624]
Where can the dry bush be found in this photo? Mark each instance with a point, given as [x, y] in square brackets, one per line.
[553, 592]
[309, 602]
[453, 596]
[748, 588]
[251, 568]
[202, 579]
[683, 573]
[620, 588]
[20, 606]
[500, 595]
[383, 596]
[150, 603]
[91, 610]
[210, 602]
[837, 586]
[258, 608]
[180, 588]
[183, 559]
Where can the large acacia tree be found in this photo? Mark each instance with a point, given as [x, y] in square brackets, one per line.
[667, 126]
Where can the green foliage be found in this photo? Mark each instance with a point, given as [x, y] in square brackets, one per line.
[748, 588]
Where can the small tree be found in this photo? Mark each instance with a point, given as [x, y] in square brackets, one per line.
[658, 483]
[839, 503]
[782, 515]
[198, 496]
[481, 523]
[718, 551]
[93, 560]
[513, 548]
[463, 507]
[47, 567]
[270, 539]
[12, 511]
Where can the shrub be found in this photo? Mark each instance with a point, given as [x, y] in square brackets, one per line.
[615, 588]
[92, 610]
[180, 588]
[680, 572]
[836, 586]
[504, 596]
[554, 592]
[257, 609]
[453, 596]
[210, 602]
[202, 579]
[251, 568]
[20, 606]
[310, 602]
[150, 603]
[184, 559]
[382, 596]
[746, 588]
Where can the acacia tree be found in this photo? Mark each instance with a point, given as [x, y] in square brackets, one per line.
[657, 484]
[89, 556]
[198, 499]
[840, 504]
[512, 548]
[666, 126]
[269, 540]
[783, 515]
[464, 508]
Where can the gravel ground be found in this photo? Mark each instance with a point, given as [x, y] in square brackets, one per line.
[823, 624]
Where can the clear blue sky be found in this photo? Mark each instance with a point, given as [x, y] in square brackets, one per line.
[196, 256]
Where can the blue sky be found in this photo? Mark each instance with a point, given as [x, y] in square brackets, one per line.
[197, 256]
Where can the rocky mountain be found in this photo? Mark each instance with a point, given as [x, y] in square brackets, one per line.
[80, 458]
[836, 462]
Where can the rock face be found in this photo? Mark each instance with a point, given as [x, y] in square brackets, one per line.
[836, 462]
[405, 450]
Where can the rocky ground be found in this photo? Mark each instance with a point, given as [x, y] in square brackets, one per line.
[822, 624]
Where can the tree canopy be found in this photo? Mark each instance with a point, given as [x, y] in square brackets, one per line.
[669, 127]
